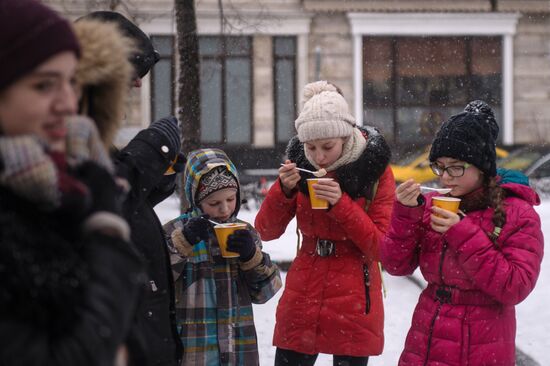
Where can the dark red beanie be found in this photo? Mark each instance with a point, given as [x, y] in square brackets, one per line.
[30, 34]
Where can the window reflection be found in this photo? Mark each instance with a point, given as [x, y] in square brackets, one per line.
[412, 84]
[226, 89]
[284, 59]
[162, 96]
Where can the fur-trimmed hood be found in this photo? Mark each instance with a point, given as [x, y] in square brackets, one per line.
[104, 74]
[356, 178]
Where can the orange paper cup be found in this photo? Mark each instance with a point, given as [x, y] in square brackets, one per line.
[222, 232]
[316, 203]
[446, 203]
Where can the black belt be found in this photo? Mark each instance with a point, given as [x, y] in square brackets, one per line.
[456, 296]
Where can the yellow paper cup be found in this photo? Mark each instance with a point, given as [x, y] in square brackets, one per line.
[446, 203]
[316, 203]
[222, 232]
[170, 169]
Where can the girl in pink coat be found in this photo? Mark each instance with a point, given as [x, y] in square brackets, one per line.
[478, 263]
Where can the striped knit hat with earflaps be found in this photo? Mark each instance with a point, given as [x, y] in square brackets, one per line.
[217, 179]
[208, 167]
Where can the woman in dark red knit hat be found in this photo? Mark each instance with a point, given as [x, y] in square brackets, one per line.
[68, 276]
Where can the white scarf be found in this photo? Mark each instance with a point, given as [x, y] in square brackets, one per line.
[351, 151]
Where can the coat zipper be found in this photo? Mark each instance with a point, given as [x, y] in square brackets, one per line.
[367, 288]
[430, 334]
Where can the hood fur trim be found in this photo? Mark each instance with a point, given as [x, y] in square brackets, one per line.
[105, 74]
[356, 178]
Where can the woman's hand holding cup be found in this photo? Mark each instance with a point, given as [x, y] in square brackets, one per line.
[407, 193]
[328, 190]
[289, 177]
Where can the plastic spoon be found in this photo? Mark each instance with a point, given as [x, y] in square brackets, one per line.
[438, 190]
[214, 222]
[319, 173]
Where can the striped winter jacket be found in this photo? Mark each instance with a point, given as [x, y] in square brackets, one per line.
[214, 295]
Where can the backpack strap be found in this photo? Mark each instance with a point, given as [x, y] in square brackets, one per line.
[374, 190]
[367, 206]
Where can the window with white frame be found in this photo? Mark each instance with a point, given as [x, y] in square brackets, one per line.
[412, 84]
[162, 76]
[226, 89]
[284, 93]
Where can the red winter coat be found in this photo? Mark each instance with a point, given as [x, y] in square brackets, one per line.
[324, 305]
[473, 322]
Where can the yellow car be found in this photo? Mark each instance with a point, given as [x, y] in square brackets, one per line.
[417, 166]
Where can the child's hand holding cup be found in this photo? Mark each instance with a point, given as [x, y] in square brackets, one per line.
[226, 234]
[444, 214]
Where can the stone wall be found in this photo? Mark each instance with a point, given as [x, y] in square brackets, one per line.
[331, 33]
[532, 79]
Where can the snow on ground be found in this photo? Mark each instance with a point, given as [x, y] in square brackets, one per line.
[533, 315]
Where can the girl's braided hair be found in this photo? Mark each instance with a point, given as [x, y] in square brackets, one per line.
[496, 195]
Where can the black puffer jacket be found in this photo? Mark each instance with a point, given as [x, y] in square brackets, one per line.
[65, 298]
[143, 163]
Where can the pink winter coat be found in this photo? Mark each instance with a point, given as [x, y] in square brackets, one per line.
[466, 315]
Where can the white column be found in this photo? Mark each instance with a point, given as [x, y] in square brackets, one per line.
[146, 100]
[302, 63]
[358, 77]
[508, 88]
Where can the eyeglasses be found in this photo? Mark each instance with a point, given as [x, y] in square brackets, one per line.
[454, 171]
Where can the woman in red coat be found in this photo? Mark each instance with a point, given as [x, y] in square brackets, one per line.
[479, 263]
[332, 300]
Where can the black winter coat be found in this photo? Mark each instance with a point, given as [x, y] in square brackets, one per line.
[65, 298]
[142, 162]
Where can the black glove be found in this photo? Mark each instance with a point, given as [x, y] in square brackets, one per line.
[179, 165]
[241, 241]
[106, 194]
[196, 229]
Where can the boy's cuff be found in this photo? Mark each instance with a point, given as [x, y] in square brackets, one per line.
[108, 223]
[254, 261]
[181, 244]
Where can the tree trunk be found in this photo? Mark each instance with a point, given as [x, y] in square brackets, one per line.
[189, 78]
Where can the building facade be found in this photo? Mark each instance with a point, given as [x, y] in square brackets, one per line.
[404, 66]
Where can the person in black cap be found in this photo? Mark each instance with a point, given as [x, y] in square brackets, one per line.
[479, 262]
[142, 163]
[144, 56]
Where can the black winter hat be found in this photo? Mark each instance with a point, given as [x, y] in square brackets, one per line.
[469, 136]
[146, 55]
[30, 34]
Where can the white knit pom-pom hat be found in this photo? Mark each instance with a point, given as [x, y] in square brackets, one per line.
[325, 113]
